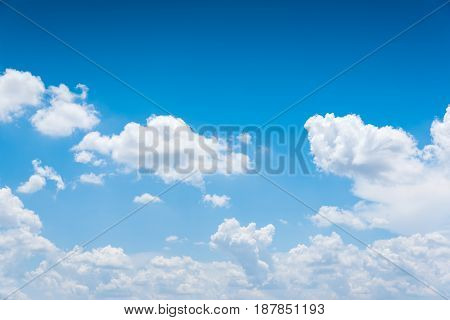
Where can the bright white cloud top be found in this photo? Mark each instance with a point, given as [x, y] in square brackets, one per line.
[60, 112]
[247, 245]
[169, 149]
[402, 188]
[67, 112]
[18, 90]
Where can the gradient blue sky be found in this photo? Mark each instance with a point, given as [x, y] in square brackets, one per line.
[216, 62]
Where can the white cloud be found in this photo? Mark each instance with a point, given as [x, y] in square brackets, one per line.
[347, 147]
[88, 157]
[60, 112]
[402, 188]
[18, 90]
[48, 173]
[172, 239]
[324, 268]
[179, 277]
[39, 179]
[216, 200]
[34, 183]
[84, 157]
[13, 213]
[67, 112]
[246, 244]
[170, 150]
[19, 240]
[146, 198]
[440, 133]
[79, 276]
[282, 221]
[329, 215]
[108, 256]
[92, 178]
[328, 268]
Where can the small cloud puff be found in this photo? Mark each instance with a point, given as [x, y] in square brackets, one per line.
[216, 200]
[146, 198]
[92, 178]
[172, 239]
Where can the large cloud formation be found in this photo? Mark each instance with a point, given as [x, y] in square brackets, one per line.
[325, 267]
[167, 147]
[402, 188]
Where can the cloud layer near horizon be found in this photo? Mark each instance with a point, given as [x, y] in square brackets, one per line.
[324, 268]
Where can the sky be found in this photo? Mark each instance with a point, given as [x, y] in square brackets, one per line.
[75, 91]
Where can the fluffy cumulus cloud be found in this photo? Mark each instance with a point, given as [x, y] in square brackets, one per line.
[329, 268]
[246, 244]
[167, 147]
[348, 147]
[13, 213]
[18, 90]
[66, 113]
[60, 111]
[217, 201]
[401, 187]
[325, 267]
[35, 183]
[146, 198]
[39, 179]
[20, 240]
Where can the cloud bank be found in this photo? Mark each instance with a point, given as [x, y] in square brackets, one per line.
[401, 187]
[323, 268]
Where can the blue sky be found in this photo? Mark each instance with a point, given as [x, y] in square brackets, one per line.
[216, 63]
